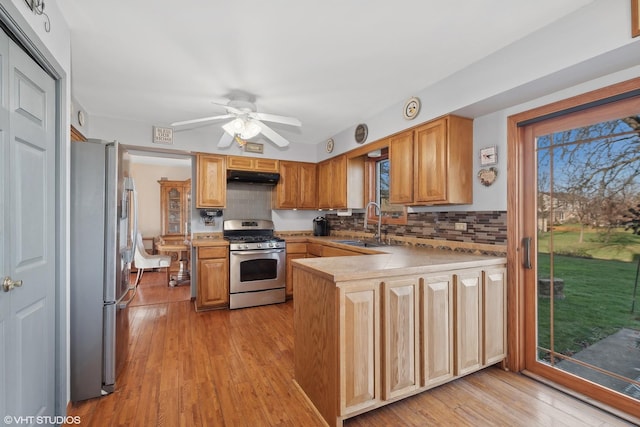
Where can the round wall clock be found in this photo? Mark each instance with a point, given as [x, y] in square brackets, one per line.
[411, 108]
[330, 145]
[361, 133]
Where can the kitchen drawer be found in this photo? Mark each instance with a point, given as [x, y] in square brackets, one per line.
[296, 248]
[314, 249]
[213, 252]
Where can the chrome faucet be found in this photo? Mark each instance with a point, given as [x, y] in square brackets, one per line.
[377, 236]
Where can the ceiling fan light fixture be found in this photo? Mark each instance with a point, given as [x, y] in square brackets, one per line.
[245, 123]
[250, 130]
[246, 129]
[237, 125]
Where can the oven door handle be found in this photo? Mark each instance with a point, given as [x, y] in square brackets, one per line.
[258, 252]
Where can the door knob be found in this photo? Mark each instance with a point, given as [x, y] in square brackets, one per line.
[8, 284]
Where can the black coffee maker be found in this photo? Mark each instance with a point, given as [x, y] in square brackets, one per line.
[320, 226]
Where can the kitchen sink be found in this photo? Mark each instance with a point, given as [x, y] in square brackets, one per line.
[361, 243]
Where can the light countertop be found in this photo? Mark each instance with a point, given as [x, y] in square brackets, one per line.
[204, 241]
[389, 260]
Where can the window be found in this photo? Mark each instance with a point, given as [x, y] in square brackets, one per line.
[378, 190]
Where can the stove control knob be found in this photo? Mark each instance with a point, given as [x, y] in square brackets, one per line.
[259, 245]
[244, 246]
[272, 245]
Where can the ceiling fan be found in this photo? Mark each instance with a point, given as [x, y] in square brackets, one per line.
[245, 123]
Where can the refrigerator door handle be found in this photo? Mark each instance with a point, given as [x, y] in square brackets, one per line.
[130, 190]
[134, 231]
[123, 304]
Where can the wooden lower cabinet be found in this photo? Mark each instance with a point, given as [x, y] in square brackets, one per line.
[376, 341]
[437, 329]
[329, 251]
[213, 278]
[359, 347]
[494, 301]
[294, 251]
[401, 341]
[468, 321]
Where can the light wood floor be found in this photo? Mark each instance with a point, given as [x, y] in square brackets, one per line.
[235, 368]
[153, 289]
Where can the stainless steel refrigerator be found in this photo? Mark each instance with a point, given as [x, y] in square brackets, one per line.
[103, 230]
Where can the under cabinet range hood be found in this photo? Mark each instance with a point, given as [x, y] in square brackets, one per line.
[268, 178]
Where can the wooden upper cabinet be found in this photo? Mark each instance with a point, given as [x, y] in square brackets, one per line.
[433, 163]
[430, 160]
[324, 184]
[443, 161]
[252, 164]
[401, 168]
[211, 185]
[287, 188]
[308, 176]
[332, 183]
[297, 188]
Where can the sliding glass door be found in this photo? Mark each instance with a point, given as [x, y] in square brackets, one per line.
[583, 245]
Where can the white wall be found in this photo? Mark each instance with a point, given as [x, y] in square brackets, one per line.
[146, 177]
[586, 50]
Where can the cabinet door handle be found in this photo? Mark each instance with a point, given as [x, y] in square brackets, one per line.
[526, 258]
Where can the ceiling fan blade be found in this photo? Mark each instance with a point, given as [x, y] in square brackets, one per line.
[234, 110]
[291, 121]
[203, 119]
[225, 140]
[229, 129]
[271, 134]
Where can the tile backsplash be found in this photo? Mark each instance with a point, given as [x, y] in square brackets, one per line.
[488, 227]
[248, 201]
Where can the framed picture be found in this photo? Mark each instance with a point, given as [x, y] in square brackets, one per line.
[162, 135]
[635, 18]
[254, 147]
[488, 156]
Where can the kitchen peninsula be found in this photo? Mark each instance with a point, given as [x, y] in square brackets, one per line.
[374, 329]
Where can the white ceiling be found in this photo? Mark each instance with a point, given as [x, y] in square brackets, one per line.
[330, 63]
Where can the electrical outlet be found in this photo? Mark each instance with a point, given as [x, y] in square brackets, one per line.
[461, 226]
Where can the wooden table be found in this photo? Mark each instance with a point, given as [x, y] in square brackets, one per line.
[179, 248]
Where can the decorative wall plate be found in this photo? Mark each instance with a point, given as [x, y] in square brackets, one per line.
[411, 108]
[361, 133]
[330, 144]
[487, 176]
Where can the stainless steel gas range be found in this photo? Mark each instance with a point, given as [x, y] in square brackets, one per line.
[256, 263]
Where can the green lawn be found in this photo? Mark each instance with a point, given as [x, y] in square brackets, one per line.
[618, 245]
[599, 295]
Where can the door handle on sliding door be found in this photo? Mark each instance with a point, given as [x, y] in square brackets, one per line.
[526, 256]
